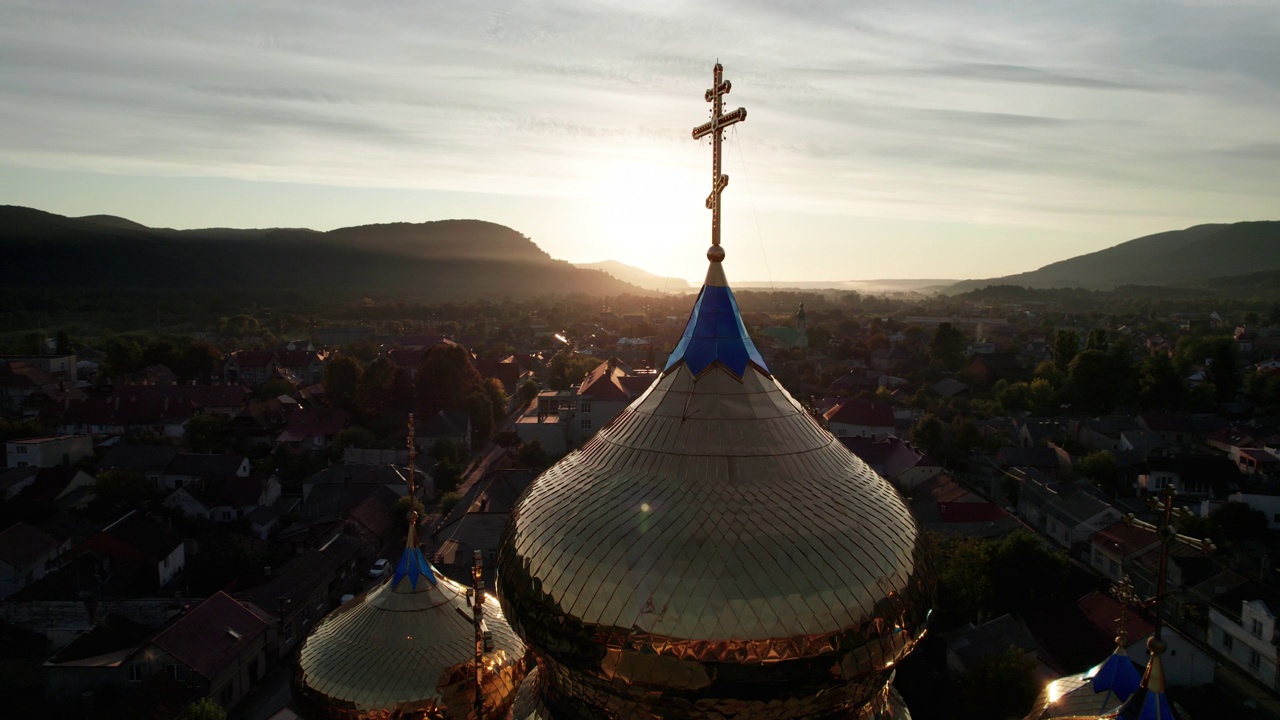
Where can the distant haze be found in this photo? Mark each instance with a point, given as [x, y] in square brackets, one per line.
[928, 139]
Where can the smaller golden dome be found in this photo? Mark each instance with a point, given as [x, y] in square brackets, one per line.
[406, 649]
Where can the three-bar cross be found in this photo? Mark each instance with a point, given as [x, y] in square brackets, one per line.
[719, 121]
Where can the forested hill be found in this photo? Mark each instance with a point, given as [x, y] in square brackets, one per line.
[433, 261]
[1172, 258]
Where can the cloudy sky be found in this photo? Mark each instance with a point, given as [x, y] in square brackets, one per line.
[960, 138]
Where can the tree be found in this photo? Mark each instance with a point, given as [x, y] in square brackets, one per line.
[119, 491]
[1092, 382]
[207, 433]
[199, 361]
[447, 476]
[1065, 346]
[929, 434]
[1223, 371]
[1043, 397]
[444, 379]
[352, 437]
[341, 379]
[121, 355]
[1100, 467]
[63, 346]
[528, 392]
[203, 709]
[497, 398]
[375, 391]
[162, 351]
[947, 347]
[1159, 385]
[999, 686]
[448, 502]
[480, 408]
[1015, 397]
[444, 450]
[532, 456]
[1097, 340]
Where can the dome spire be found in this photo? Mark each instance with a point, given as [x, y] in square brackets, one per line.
[715, 128]
[715, 333]
[412, 564]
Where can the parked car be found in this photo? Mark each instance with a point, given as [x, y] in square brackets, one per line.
[380, 568]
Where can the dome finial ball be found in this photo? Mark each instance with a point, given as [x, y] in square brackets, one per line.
[715, 253]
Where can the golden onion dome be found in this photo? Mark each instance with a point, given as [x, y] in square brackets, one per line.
[406, 649]
[714, 552]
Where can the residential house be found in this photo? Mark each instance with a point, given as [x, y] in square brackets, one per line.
[303, 364]
[860, 418]
[140, 549]
[1114, 549]
[314, 428]
[894, 459]
[15, 481]
[1174, 428]
[1069, 513]
[564, 420]
[18, 380]
[60, 367]
[1101, 433]
[26, 554]
[225, 499]
[218, 648]
[971, 644]
[1190, 475]
[1143, 442]
[1255, 460]
[116, 415]
[151, 461]
[186, 468]
[61, 488]
[251, 367]
[1186, 664]
[225, 400]
[477, 523]
[942, 504]
[48, 451]
[301, 591]
[1047, 461]
[1242, 627]
[888, 359]
[78, 674]
[452, 425]
[1268, 505]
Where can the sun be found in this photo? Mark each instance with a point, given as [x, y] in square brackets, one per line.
[652, 214]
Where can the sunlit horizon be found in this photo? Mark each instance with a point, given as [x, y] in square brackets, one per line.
[907, 141]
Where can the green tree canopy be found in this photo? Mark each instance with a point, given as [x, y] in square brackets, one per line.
[341, 379]
[444, 379]
[947, 348]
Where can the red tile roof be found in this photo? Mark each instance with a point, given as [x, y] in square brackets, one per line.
[1124, 539]
[965, 512]
[314, 422]
[1103, 611]
[862, 412]
[211, 635]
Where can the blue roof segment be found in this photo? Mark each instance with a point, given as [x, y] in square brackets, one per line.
[1156, 707]
[1117, 674]
[413, 565]
[715, 333]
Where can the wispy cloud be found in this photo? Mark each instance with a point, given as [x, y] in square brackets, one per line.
[931, 111]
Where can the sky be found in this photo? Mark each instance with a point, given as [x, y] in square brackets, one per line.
[909, 139]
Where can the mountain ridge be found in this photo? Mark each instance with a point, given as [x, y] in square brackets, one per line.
[1161, 259]
[437, 260]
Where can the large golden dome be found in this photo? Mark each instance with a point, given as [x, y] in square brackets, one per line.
[714, 553]
[406, 650]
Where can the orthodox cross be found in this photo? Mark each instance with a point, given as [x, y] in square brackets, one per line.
[413, 456]
[1124, 592]
[715, 128]
[1168, 534]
